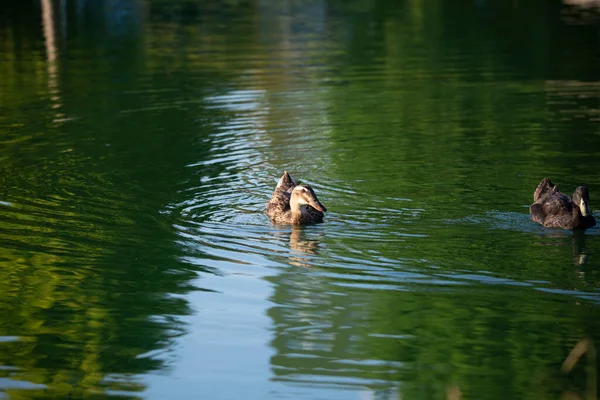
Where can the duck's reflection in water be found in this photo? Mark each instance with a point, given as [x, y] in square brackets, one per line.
[580, 256]
[579, 253]
[557, 242]
[302, 248]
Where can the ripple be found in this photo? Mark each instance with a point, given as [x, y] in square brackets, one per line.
[223, 227]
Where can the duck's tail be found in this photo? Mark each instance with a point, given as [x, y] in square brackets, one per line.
[285, 182]
[545, 188]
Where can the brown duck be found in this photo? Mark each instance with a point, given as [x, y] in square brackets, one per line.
[554, 209]
[294, 204]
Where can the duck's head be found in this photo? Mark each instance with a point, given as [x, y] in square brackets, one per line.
[581, 198]
[303, 195]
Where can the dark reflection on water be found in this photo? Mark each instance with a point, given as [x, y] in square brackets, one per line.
[139, 141]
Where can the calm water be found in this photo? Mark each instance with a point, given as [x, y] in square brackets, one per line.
[141, 139]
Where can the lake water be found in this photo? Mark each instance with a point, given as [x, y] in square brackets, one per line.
[141, 139]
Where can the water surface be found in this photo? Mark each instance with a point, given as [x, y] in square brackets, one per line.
[140, 141]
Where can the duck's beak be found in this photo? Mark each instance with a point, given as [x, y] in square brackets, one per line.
[317, 204]
[585, 209]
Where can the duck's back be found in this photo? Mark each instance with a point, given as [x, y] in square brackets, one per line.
[279, 203]
[552, 209]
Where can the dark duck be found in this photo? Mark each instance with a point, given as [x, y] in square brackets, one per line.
[554, 209]
[294, 204]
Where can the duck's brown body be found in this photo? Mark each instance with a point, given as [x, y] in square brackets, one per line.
[294, 204]
[554, 209]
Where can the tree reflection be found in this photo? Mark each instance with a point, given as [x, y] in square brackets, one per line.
[337, 332]
[90, 267]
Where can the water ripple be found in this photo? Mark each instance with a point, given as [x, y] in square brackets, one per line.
[222, 220]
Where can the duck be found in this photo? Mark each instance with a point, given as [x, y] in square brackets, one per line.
[294, 204]
[554, 209]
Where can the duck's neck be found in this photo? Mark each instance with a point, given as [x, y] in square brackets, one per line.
[579, 220]
[582, 219]
[576, 215]
[298, 211]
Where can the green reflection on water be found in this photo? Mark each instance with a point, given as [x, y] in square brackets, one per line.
[426, 125]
